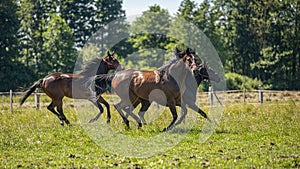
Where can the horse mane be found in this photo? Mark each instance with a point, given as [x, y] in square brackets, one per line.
[91, 67]
[165, 67]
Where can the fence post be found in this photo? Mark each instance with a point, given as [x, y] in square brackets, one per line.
[244, 94]
[37, 100]
[210, 95]
[260, 95]
[11, 100]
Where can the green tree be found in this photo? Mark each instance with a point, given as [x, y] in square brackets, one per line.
[86, 17]
[186, 10]
[279, 62]
[181, 27]
[13, 73]
[33, 15]
[60, 51]
[149, 37]
[9, 26]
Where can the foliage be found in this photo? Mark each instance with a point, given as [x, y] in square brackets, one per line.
[40, 36]
[249, 136]
[149, 37]
[258, 39]
[251, 37]
[236, 81]
[59, 46]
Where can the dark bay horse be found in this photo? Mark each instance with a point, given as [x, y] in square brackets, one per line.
[202, 72]
[57, 85]
[171, 79]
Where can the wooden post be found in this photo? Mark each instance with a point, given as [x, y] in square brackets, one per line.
[260, 95]
[244, 94]
[210, 96]
[11, 100]
[37, 100]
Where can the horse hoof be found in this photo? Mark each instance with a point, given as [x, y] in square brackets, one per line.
[62, 123]
[127, 123]
[92, 121]
[165, 130]
[140, 126]
[108, 121]
[67, 122]
[127, 128]
[208, 119]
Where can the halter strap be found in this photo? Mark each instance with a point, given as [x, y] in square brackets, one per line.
[109, 64]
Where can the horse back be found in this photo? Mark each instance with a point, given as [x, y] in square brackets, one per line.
[59, 84]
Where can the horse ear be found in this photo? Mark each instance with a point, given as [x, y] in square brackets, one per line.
[113, 53]
[108, 53]
[188, 51]
[176, 50]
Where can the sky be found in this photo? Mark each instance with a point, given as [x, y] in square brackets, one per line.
[135, 7]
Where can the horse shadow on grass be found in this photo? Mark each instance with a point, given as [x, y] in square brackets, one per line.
[179, 130]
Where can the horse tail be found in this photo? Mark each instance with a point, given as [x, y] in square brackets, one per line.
[31, 90]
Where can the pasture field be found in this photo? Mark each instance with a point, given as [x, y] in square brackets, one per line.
[249, 136]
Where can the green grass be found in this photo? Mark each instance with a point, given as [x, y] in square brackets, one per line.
[249, 136]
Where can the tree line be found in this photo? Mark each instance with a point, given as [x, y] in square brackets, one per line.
[255, 39]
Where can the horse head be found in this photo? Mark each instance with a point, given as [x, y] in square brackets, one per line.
[190, 58]
[111, 62]
[206, 72]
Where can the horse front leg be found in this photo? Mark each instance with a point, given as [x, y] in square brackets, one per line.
[101, 100]
[174, 114]
[184, 111]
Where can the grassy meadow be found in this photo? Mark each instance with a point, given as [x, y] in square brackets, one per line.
[249, 136]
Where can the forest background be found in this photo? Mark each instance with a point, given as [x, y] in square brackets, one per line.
[258, 41]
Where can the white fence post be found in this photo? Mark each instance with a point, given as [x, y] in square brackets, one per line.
[244, 94]
[11, 100]
[211, 96]
[37, 100]
[260, 95]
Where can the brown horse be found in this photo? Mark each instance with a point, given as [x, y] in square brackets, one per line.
[57, 85]
[171, 79]
[202, 72]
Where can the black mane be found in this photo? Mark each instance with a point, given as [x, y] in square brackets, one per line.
[91, 67]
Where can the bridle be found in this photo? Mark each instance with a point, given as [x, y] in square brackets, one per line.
[110, 65]
[192, 57]
[204, 77]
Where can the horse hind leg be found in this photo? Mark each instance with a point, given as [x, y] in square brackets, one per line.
[51, 108]
[97, 104]
[145, 106]
[119, 109]
[201, 112]
[128, 111]
[61, 113]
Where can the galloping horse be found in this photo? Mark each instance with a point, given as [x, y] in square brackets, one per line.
[202, 72]
[57, 85]
[170, 79]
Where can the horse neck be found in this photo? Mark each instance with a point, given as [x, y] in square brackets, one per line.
[198, 79]
[102, 69]
[178, 71]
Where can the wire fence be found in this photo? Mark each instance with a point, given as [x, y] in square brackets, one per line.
[11, 99]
